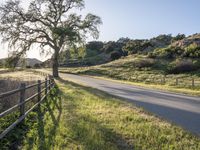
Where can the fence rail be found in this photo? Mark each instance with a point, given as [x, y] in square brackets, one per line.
[181, 81]
[48, 85]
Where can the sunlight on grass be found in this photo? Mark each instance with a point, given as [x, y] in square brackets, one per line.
[126, 70]
[87, 119]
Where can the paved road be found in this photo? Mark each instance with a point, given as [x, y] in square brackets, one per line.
[179, 109]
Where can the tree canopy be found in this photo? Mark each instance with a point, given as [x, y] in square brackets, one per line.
[48, 23]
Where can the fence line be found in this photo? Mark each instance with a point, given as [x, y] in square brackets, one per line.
[48, 83]
[190, 82]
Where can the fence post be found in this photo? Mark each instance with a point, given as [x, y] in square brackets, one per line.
[52, 81]
[22, 98]
[193, 82]
[46, 89]
[153, 79]
[164, 79]
[49, 83]
[176, 81]
[39, 90]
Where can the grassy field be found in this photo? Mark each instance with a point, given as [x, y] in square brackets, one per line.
[12, 80]
[143, 71]
[21, 76]
[83, 118]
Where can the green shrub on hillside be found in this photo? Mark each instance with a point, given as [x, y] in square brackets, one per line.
[192, 51]
[178, 37]
[181, 66]
[169, 52]
[143, 63]
[136, 46]
[95, 45]
[115, 55]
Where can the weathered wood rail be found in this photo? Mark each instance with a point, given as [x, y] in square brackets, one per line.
[48, 85]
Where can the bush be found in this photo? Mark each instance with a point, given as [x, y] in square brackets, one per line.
[115, 55]
[110, 47]
[94, 45]
[192, 51]
[181, 66]
[37, 66]
[28, 67]
[151, 55]
[169, 52]
[144, 63]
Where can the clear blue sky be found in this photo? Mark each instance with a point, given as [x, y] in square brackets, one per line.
[145, 18]
[140, 19]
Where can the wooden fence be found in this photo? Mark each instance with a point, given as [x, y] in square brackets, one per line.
[182, 81]
[48, 85]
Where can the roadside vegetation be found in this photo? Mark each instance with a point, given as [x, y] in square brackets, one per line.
[10, 81]
[169, 74]
[164, 62]
[85, 118]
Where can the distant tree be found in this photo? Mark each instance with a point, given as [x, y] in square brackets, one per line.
[1, 64]
[164, 38]
[178, 37]
[133, 46]
[115, 55]
[123, 41]
[47, 23]
[37, 65]
[13, 59]
[94, 45]
[111, 46]
[28, 67]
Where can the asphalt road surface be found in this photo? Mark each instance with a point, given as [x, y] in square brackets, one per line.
[179, 109]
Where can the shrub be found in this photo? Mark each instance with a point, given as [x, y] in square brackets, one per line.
[135, 46]
[151, 55]
[110, 47]
[178, 37]
[192, 51]
[37, 65]
[181, 66]
[94, 45]
[28, 67]
[115, 55]
[169, 52]
[144, 63]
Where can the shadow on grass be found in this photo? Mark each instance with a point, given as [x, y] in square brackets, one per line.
[52, 104]
[84, 130]
[87, 129]
[13, 139]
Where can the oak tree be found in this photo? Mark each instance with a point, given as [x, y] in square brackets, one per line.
[48, 23]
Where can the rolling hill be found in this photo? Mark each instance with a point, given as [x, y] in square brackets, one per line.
[28, 62]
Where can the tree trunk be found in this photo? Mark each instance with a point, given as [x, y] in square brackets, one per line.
[55, 64]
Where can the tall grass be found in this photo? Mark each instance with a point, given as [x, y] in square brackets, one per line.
[87, 119]
[11, 81]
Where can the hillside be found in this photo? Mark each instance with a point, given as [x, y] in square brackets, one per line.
[173, 74]
[27, 62]
[97, 52]
[193, 39]
[32, 61]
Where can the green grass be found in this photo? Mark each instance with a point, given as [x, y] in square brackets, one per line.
[83, 118]
[127, 70]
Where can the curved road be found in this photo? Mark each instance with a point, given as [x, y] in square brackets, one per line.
[180, 109]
